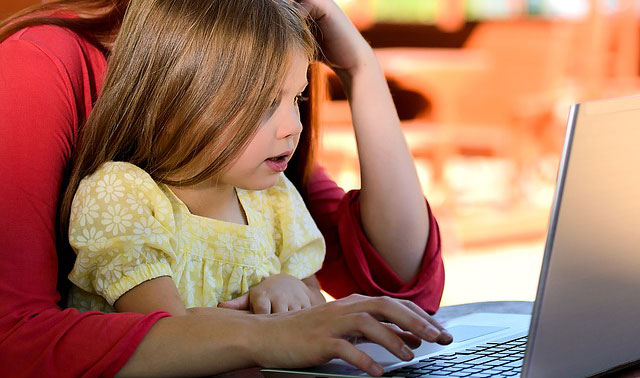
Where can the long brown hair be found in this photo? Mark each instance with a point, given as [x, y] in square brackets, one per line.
[188, 80]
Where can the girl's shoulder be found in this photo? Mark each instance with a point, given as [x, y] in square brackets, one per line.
[120, 176]
[122, 190]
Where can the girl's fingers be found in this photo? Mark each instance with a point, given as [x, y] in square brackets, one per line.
[345, 350]
[306, 302]
[240, 303]
[279, 306]
[260, 304]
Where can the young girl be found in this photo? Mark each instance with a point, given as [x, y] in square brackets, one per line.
[183, 202]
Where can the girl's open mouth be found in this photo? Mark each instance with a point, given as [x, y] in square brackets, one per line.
[278, 163]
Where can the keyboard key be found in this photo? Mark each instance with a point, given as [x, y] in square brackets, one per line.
[494, 359]
[422, 364]
[481, 361]
[515, 364]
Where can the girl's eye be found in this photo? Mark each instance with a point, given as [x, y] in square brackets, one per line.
[300, 98]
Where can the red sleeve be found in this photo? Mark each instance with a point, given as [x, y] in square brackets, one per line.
[352, 264]
[38, 118]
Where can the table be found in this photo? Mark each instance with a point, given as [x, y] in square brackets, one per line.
[450, 312]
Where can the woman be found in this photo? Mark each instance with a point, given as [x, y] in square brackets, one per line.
[380, 241]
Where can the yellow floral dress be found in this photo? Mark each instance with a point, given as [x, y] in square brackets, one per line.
[126, 229]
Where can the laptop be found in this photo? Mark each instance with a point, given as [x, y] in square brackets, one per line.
[586, 316]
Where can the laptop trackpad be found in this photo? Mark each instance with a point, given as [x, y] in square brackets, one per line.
[462, 333]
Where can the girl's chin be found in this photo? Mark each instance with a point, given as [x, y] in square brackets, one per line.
[261, 184]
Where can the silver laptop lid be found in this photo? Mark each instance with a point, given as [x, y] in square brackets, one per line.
[586, 317]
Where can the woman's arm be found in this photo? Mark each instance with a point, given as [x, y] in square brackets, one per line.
[353, 265]
[392, 206]
[42, 99]
[224, 340]
[393, 211]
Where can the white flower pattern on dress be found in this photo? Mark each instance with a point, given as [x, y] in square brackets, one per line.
[116, 219]
[149, 229]
[127, 229]
[87, 211]
[110, 188]
[91, 238]
[137, 201]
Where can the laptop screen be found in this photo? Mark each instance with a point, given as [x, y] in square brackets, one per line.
[586, 318]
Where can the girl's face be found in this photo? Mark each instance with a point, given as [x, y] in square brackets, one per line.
[276, 139]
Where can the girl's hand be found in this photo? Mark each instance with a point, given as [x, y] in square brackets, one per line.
[318, 334]
[277, 293]
[342, 44]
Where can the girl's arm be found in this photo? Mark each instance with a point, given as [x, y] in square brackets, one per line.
[393, 210]
[156, 294]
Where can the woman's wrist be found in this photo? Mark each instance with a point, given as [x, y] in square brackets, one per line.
[367, 71]
[255, 343]
[365, 61]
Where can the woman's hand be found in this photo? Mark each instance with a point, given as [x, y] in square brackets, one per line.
[286, 340]
[316, 335]
[277, 293]
[342, 45]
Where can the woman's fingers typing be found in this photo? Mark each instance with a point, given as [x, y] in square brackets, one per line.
[348, 352]
[409, 338]
[404, 316]
[370, 328]
[316, 335]
[445, 336]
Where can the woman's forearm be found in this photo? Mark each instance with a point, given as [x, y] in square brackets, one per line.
[393, 210]
[193, 345]
[224, 340]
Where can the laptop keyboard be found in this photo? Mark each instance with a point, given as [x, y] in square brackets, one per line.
[496, 360]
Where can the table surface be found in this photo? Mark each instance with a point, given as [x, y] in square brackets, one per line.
[450, 312]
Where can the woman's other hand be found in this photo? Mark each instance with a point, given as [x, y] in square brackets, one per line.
[278, 293]
[342, 45]
[318, 334]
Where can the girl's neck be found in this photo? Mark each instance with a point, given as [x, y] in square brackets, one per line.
[215, 202]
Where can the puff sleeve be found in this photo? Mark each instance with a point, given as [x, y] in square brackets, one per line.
[122, 230]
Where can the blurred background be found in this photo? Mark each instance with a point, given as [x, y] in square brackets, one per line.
[483, 89]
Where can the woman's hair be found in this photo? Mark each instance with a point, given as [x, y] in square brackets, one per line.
[98, 22]
[187, 81]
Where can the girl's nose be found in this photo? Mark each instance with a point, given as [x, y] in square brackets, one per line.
[290, 125]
